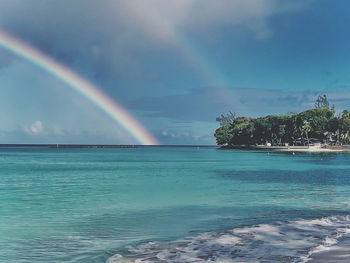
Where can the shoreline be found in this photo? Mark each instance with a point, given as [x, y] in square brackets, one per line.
[315, 149]
[338, 253]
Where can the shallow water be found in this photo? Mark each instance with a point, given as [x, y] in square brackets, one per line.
[169, 204]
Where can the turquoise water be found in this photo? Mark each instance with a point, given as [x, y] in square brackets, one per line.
[169, 204]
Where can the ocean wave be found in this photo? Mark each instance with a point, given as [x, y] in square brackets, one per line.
[292, 241]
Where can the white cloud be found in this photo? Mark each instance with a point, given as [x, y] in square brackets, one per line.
[36, 128]
[164, 18]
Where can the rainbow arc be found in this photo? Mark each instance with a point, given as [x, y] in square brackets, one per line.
[116, 112]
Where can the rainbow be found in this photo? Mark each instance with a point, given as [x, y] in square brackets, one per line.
[79, 84]
[165, 28]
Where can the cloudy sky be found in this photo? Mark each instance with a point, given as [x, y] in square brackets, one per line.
[173, 64]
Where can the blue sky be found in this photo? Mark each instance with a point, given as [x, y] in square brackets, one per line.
[175, 64]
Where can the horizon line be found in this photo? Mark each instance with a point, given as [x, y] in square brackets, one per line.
[59, 145]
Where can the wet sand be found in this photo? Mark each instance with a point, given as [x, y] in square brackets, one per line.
[311, 149]
[314, 149]
[339, 253]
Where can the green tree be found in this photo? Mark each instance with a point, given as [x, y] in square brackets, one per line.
[224, 134]
[226, 119]
[319, 122]
[322, 102]
[345, 127]
[306, 128]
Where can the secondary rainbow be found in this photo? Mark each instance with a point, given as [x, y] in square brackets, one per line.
[81, 85]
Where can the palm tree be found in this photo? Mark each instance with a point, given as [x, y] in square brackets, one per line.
[306, 128]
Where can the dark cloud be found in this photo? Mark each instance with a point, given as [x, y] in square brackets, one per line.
[207, 104]
[92, 37]
[197, 104]
[5, 59]
[185, 137]
[121, 45]
[22, 136]
[136, 52]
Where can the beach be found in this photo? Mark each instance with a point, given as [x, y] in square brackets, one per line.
[313, 149]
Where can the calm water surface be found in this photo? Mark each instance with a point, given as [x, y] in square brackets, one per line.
[164, 204]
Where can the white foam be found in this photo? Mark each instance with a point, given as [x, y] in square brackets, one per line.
[118, 259]
[293, 241]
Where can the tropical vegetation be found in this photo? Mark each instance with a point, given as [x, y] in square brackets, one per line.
[319, 123]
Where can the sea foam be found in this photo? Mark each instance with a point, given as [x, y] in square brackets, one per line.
[292, 241]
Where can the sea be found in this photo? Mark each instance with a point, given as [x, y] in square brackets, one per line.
[170, 204]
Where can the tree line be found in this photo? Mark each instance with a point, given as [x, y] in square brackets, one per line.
[321, 123]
